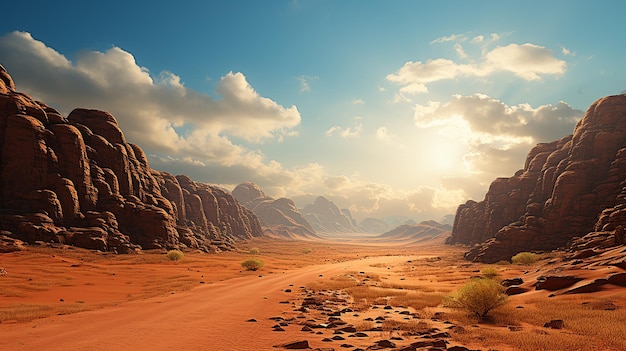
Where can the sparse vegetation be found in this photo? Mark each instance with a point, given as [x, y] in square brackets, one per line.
[307, 250]
[252, 264]
[254, 251]
[175, 255]
[478, 296]
[490, 273]
[525, 258]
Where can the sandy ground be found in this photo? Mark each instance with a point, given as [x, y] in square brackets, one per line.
[204, 302]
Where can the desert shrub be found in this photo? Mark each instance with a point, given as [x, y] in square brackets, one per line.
[308, 250]
[490, 272]
[478, 296]
[252, 264]
[254, 251]
[175, 255]
[525, 258]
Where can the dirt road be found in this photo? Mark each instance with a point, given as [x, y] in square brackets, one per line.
[210, 317]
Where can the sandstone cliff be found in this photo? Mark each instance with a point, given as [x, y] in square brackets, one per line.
[325, 216]
[567, 189]
[76, 180]
[279, 217]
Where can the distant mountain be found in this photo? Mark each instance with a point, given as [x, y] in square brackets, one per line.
[373, 225]
[424, 231]
[447, 219]
[326, 217]
[278, 217]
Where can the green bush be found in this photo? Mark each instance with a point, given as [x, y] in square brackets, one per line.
[478, 296]
[490, 273]
[254, 251]
[525, 258]
[252, 264]
[175, 255]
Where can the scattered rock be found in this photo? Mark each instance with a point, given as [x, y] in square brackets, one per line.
[512, 281]
[515, 290]
[594, 286]
[555, 324]
[553, 283]
[295, 345]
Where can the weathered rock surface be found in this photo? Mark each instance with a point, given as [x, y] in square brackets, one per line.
[279, 217]
[567, 189]
[326, 217]
[77, 181]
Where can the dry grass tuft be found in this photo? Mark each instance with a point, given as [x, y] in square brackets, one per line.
[29, 312]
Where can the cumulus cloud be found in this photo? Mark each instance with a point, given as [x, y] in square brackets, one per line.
[305, 85]
[496, 136]
[527, 61]
[346, 132]
[151, 109]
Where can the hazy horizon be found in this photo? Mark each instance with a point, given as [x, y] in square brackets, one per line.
[400, 108]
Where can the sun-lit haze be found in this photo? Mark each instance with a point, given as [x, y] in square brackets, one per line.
[387, 108]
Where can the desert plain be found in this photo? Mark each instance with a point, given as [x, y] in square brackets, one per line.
[331, 294]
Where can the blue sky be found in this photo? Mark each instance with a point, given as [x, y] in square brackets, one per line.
[386, 107]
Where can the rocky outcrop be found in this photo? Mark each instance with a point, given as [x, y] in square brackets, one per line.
[76, 180]
[326, 217]
[279, 217]
[424, 231]
[567, 189]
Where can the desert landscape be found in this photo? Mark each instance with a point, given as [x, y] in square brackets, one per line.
[386, 297]
[381, 190]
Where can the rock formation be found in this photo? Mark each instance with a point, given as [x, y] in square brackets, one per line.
[76, 180]
[326, 217]
[279, 217]
[567, 189]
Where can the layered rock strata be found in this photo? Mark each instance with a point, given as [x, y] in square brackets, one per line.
[76, 180]
[567, 189]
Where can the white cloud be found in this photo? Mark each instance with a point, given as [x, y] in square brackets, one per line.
[453, 37]
[358, 102]
[496, 136]
[113, 81]
[383, 134]
[305, 83]
[527, 61]
[346, 132]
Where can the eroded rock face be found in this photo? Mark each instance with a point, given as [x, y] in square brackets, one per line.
[77, 181]
[567, 189]
[279, 217]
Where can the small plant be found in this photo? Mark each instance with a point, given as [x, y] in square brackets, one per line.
[478, 296]
[308, 250]
[525, 258]
[252, 264]
[254, 251]
[490, 273]
[175, 255]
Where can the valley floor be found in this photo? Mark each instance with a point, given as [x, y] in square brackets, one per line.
[72, 299]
